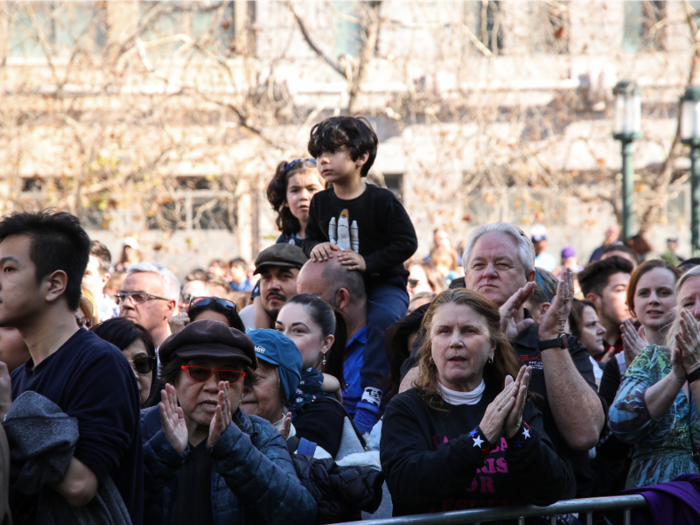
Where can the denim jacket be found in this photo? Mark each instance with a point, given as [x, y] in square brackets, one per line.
[253, 480]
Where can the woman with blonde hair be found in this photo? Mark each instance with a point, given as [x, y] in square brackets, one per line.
[467, 436]
[656, 407]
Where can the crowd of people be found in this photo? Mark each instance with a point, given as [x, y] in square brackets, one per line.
[339, 376]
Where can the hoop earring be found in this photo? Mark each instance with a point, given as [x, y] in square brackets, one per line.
[490, 361]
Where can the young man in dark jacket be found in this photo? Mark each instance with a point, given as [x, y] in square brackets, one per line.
[43, 257]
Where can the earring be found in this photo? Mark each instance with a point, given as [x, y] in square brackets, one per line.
[490, 360]
[324, 359]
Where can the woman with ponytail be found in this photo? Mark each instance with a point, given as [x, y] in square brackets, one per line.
[320, 334]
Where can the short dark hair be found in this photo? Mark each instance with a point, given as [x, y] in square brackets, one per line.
[99, 250]
[686, 265]
[596, 276]
[238, 261]
[339, 277]
[355, 133]
[58, 242]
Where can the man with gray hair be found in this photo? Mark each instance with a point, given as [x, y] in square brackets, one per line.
[149, 296]
[499, 263]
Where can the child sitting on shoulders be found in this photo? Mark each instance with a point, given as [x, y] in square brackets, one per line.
[369, 231]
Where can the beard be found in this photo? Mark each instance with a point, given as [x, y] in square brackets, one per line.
[273, 312]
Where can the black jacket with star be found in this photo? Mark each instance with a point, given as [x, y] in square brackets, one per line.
[385, 234]
[436, 461]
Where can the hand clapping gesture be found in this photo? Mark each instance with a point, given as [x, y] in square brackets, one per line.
[222, 417]
[632, 341]
[172, 420]
[505, 412]
[688, 342]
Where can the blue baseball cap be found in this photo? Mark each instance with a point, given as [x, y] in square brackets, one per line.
[277, 349]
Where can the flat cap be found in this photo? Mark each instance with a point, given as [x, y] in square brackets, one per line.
[209, 338]
[281, 254]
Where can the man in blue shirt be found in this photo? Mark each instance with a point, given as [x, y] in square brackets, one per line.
[345, 291]
[43, 257]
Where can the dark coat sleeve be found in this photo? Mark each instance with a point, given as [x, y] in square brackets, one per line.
[401, 240]
[541, 475]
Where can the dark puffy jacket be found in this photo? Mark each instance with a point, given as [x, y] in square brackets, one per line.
[341, 493]
[253, 480]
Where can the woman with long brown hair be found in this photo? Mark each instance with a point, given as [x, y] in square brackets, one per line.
[467, 436]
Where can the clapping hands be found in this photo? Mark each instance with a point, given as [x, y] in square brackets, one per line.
[505, 412]
[172, 420]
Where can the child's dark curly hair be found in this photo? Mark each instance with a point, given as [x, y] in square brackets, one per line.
[277, 193]
[353, 132]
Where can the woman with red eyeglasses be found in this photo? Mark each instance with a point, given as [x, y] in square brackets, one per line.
[205, 460]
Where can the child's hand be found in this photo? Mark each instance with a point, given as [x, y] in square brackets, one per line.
[323, 252]
[353, 260]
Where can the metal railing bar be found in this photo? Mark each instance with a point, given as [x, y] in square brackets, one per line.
[462, 517]
[627, 517]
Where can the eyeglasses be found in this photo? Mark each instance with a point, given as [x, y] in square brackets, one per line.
[297, 161]
[143, 365]
[202, 374]
[412, 283]
[186, 298]
[137, 297]
[84, 322]
[206, 301]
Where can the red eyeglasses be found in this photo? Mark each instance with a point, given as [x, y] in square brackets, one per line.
[202, 374]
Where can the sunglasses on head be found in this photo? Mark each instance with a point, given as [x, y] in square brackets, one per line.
[296, 162]
[202, 374]
[206, 301]
[143, 365]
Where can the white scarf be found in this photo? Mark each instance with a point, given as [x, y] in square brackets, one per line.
[453, 397]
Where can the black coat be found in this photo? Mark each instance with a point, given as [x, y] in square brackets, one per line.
[341, 493]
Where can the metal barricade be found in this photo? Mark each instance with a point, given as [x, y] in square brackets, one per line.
[583, 506]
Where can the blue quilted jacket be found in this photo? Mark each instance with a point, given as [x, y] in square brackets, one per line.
[253, 480]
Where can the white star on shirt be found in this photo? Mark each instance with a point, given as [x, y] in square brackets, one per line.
[526, 433]
[478, 441]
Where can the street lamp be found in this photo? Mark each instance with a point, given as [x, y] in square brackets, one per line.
[627, 129]
[690, 136]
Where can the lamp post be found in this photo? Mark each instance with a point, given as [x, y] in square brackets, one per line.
[627, 129]
[690, 136]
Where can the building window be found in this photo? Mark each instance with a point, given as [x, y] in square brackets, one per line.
[642, 28]
[38, 29]
[348, 31]
[489, 29]
[225, 27]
